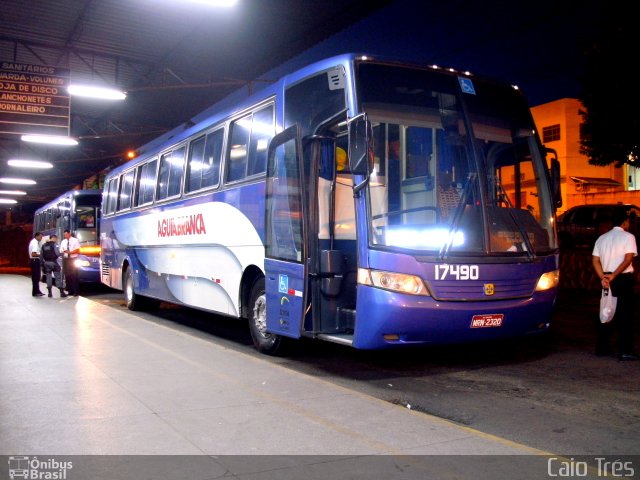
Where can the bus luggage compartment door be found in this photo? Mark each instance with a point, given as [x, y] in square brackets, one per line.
[284, 288]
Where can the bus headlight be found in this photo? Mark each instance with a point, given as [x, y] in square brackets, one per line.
[548, 280]
[395, 282]
[82, 263]
[91, 250]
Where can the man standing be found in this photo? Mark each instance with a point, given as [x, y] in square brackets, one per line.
[612, 257]
[49, 256]
[34, 261]
[70, 247]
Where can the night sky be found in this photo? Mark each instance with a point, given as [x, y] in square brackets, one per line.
[536, 45]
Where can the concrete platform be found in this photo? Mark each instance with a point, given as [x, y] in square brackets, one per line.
[82, 378]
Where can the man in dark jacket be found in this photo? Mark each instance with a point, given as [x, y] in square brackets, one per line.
[49, 255]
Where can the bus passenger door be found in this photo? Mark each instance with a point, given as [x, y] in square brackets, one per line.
[285, 266]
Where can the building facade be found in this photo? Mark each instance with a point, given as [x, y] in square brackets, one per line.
[582, 183]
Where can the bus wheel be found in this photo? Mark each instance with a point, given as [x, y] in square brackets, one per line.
[133, 300]
[129, 294]
[265, 342]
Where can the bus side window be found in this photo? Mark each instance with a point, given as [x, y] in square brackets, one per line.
[261, 133]
[112, 196]
[195, 164]
[126, 191]
[145, 183]
[170, 175]
[203, 169]
[237, 151]
[163, 177]
[212, 156]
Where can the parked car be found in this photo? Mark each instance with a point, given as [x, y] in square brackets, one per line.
[580, 227]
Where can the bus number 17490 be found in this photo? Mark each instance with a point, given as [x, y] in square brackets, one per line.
[457, 272]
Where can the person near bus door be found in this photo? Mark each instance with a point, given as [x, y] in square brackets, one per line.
[70, 248]
[34, 263]
[49, 255]
[612, 257]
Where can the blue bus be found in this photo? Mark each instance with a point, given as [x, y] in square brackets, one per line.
[79, 212]
[362, 201]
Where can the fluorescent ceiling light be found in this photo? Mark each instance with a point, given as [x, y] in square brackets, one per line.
[216, 3]
[96, 92]
[15, 162]
[18, 181]
[50, 139]
[8, 200]
[12, 192]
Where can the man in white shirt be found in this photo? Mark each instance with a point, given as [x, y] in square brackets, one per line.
[34, 263]
[612, 261]
[70, 248]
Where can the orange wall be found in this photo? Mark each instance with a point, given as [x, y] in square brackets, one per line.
[565, 112]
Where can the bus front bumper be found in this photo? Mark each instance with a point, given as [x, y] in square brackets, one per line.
[386, 319]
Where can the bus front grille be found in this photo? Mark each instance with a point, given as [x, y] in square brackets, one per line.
[475, 290]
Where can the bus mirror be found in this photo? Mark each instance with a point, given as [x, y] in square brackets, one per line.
[554, 173]
[555, 182]
[360, 157]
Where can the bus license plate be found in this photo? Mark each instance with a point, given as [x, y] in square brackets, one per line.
[485, 321]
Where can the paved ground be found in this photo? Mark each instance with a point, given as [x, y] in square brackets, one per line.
[560, 394]
[81, 377]
[552, 394]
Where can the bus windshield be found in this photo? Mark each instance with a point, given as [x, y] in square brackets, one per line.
[457, 169]
[86, 221]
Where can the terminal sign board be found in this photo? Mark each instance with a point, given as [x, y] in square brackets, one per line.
[34, 99]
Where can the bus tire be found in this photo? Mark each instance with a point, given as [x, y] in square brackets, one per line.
[134, 301]
[265, 342]
[130, 296]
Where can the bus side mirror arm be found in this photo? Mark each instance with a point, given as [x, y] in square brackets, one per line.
[360, 150]
[554, 173]
[359, 187]
[360, 145]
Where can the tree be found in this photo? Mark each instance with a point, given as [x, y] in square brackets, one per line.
[611, 96]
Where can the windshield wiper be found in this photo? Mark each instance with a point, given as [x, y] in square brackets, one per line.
[457, 216]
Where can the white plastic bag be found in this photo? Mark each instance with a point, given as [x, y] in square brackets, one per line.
[607, 306]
